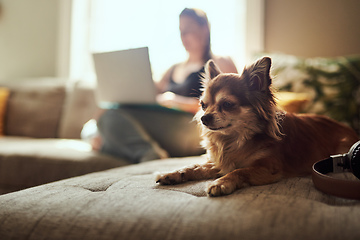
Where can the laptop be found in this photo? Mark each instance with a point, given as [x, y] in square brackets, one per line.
[124, 77]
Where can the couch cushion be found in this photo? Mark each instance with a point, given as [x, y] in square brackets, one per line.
[80, 107]
[27, 162]
[34, 107]
[126, 203]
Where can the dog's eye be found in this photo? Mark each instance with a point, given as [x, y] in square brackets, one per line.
[203, 105]
[227, 105]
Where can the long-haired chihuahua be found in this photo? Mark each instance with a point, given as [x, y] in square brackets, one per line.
[249, 141]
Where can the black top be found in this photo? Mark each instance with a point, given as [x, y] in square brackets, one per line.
[191, 87]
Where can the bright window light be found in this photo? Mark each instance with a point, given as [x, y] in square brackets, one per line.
[116, 25]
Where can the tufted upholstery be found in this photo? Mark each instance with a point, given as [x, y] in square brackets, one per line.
[126, 203]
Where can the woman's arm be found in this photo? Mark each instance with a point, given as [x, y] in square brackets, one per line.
[225, 64]
[164, 82]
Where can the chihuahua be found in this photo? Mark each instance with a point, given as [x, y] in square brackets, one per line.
[249, 140]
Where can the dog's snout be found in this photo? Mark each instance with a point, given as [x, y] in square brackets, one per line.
[207, 119]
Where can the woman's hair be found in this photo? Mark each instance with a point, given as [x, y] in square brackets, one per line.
[200, 18]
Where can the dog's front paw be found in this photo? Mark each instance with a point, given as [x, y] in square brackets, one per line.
[220, 187]
[170, 178]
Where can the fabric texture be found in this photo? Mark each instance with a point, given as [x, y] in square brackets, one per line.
[34, 109]
[80, 106]
[27, 162]
[126, 203]
[4, 95]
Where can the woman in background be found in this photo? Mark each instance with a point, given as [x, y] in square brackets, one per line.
[138, 133]
[184, 79]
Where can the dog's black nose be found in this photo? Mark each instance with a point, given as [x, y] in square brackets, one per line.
[207, 119]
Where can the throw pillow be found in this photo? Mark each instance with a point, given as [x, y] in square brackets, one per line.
[4, 95]
[292, 102]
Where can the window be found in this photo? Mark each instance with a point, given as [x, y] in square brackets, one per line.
[128, 24]
[109, 25]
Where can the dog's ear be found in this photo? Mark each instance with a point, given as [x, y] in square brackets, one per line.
[211, 70]
[259, 75]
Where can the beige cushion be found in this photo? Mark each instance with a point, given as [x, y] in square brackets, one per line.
[34, 108]
[27, 162]
[80, 107]
[126, 203]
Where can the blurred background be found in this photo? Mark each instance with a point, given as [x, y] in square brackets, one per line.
[56, 38]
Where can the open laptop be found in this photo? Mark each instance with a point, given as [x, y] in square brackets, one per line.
[124, 77]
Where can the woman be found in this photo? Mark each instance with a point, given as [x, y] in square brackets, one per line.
[139, 133]
[195, 36]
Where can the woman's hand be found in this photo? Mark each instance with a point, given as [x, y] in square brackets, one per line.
[166, 99]
[172, 100]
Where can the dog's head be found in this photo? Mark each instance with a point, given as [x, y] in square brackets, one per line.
[233, 103]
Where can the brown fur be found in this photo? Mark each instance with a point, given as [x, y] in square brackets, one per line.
[249, 141]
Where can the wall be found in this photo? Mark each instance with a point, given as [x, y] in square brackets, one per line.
[28, 38]
[311, 28]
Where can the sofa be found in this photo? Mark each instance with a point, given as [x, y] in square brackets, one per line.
[126, 203]
[71, 192]
[41, 121]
